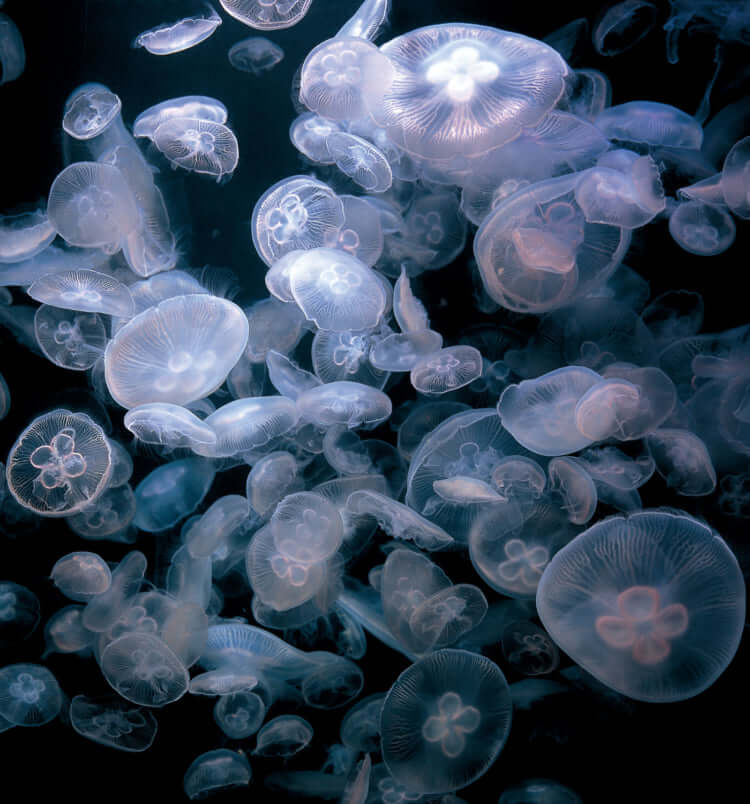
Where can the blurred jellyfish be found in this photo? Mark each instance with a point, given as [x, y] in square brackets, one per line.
[19, 613]
[256, 55]
[651, 124]
[12, 52]
[180, 35]
[622, 26]
[702, 229]
[539, 791]
[682, 459]
[24, 235]
[216, 771]
[636, 600]
[529, 649]
[239, 714]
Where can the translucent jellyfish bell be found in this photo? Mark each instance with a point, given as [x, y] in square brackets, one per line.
[81, 575]
[181, 35]
[84, 290]
[216, 771]
[368, 20]
[19, 613]
[540, 791]
[168, 425]
[702, 229]
[444, 721]
[239, 714]
[650, 123]
[199, 107]
[114, 722]
[306, 528]
[447, 370]
[255, 55]
[295, 213]
[90, 111]
[178, 351]
[651, 605]
[69, 339]
[682, 459]
[622, 26]
[361, 161]
[267, 15]
[284, 736]
[200, 146]
[483, 85]
[24, 235]
[59, 464]
[345, 403]
[344, 78]
[29, 695]
[90, 204]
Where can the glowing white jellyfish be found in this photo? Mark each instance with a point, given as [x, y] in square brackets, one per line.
[181, 35]
[200, 146]
[267, 15]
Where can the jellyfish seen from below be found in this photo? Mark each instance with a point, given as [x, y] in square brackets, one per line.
[283, 736]
[239, 714]
[19, 613]
[84, 290]
[90, 111]
[652, 604]
[178, 351]
[267, 15]
[444, 721]
[216, 771]
[199, 146]
[69, 339]
[81, 575]
[181, 35]
[59, 464]
[114, 722]
[29, 695]
[702, 229]
[24, 235]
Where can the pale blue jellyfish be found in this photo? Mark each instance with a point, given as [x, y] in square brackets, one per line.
[114, 722]
[216, 771]
[199, 107]
[84, 290]
[81, 575]
[19, 613]
[29, 695]
[267, 15]
[24, 235]
[255, 55]
[181, 35]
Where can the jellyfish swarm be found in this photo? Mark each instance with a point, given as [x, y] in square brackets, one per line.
[652, 604]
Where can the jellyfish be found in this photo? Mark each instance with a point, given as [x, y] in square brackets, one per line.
[171, 492]
[216, 771]
[651, 124]
[239, 714]
[90, 204]
[69, 339]
[273, 325]
[444, 721]
[12, 52]
[24, 235]
[65, 632]
[298, 213]
[19, 613]
[271, 479]
[345, 355]
[404, 351]
[90, 111]
[468, 77]
[267, 15]
[113, 722]
[702, 229]
[367, 21]
[256, 55]
[358, 783]
[576, 487]
[287, 377]
[59, 464]
[682, 459]
[309, 134]
[199, 146]
[109, 517]
[103, 610]
[622, 26]
[181, 35]
[178, 351]
[361, 161]
[421, 420]
[447, 370]
[540, 791]
[195, 107]
[86, 291]
[540, 413]
[673, 315]
[335, 682]
[81, 575]
[652, 604]
[529, 649]
[169, 425]
[29, 695]
[350, 404]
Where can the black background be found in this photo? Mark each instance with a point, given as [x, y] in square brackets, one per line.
[690, 751]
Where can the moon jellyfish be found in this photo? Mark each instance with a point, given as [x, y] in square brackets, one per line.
[270, 480]
[404, 351]
[358, 783]
[540, 413]
[652, 605]
[622, 26]
[368, 20]
[195, 107]
[215, 772]
[65, 632]
[29, 695]
[90, 204]
[171, 492]
[113, 722]
[529, 649]
[24, 235]
[702, 229]
[651, 124]
[577, 490]
[19, 613]
[104, 610]
[109, 517]
[539, 791]
[683, 461]
[12, 52]
[256, 55]
[140, 667]
[484, 84]
[84, 290]
[239, 714]
[735, 181]
[169, 425]
[447, 370]
[59, 464]
[90, 111]
[81, 576]
[69, 339]
[200, 146]
[180, 35]
[296, 213]
[346, 356]
[273, 325]
[345, 78]
[734, 414]
[309, 134]
[349, 404]
[267, 15]
[361, 161]
[178, 351]
[283, 736]
[444, 721]
[421, 420]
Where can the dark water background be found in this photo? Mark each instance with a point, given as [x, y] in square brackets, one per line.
[692, 751]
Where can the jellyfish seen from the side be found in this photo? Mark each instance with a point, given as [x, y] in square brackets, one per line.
[84, 290]
[81, 575]
[114, 722]
[181, 35]
[216, 771]
[23, 235]
[255, 55]
[200, 107]
[12, 51]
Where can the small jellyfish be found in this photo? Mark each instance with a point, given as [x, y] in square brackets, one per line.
[346, 356]
[447, 370]
[81, 576]
[71, 340]
[169, 425]
[200, 146]
[84, 290]
[334, 683]
[702, 229]
[181, 35]
[200, 107]
[306, 528]
[12, 52]
[177, 351]
[270, 480]
[309, 134]
[142, 668]
[104, 610]
[404, 351]
[576, 487]
[361, 161]
[19, 613]
[539, 791]
[636, 600]
[256, 55]
[367, 21]
[273, 325]
[651, 124]
[444, 721]
[216, 771]
[298, 213]
[284, 736]
[683, 461]
[59, 464]
[89, 111]
[622, 26]
[29, 695]
[267, 15]
[735, 178]
[360, 726]
[349, 404]
[24, 235]
[113, 722]
[239, 714]
[529, 649]
[108, 517]
[65, 632]
[421, 420]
